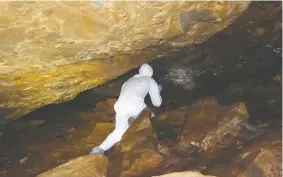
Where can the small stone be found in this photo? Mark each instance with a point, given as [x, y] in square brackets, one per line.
[22, 161]
[164, 150]
[71, 129]
[259, 32]
[55, 154]
[36, 122]
[94, 165]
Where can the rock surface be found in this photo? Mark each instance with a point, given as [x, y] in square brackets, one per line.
[268, 163]
[100, 132]
[210, 129]
[203, 136]
[137, 152]
[222, 116]
[51, 51]
[229, 64]
[85, 166]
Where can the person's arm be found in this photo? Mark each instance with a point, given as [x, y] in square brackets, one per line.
[155, 93]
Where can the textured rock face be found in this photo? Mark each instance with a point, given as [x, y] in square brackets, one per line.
[234, 60]
[85, 166]
[268, 163]
[214, 139]
[50, 51]
[136, 153]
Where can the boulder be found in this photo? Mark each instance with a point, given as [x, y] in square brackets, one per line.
[203, 117]
[103, 112]
[137, 152]
[85, 166]
[50, 51]
[268, 163]
[99, 133]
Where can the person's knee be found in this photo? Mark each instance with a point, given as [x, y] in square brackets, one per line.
[131, 120]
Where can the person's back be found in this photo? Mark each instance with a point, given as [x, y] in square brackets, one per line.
[137, 85]
[131, 103]
[135, 90]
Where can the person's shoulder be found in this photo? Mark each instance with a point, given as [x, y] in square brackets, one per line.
[151, 79]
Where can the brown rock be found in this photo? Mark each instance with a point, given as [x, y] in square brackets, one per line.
[268, 163]
[137, 152]
[52, 51]
[203, 117]
[85, 166]
[229, 126]
[100, 132]
[139, 136]
[168, 125]
[104, 111]
[146, 161]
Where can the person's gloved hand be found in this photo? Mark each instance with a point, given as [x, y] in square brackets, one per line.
[97, 150]
[152, 114]
[160, 88]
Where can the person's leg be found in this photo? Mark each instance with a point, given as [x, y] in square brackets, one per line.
[121, 127]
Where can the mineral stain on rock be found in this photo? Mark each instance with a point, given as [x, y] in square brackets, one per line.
[51, 51]
[219, 64]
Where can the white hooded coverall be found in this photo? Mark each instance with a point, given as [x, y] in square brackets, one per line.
[131, 102]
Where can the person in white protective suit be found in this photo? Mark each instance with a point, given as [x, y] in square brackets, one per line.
[131, 103]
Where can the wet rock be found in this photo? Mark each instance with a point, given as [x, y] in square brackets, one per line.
[23, 160]
[168, 124]
[148, 160]
[181, 75]
[268, 163]
[233, 57]
[37, 122]
[73, 46]
[140, 132]
[203, 117]
[230, 125]
[231, 63]
[99, 133]
[235, 154]
[137, 152]
[104, 111]
[185, 174]
[211, 126]
[264, 103]
[85, 166]
[210, 131]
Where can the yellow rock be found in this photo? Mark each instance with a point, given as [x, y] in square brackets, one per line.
[51, 51]
[148, 160]
[85, 166]
[100, 132]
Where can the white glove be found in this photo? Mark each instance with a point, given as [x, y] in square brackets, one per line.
[160, 88]
[97, 150]
[152, 115]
